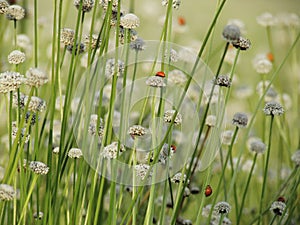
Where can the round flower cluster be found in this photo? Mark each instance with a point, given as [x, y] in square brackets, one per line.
[15, 130]
[223, 81]
[111, 151]
[222, 208]
[137, 130]
[240, 120]
[169, 114]
[130, 21]
[256, 145]
[35, 77]
[179, 177]
[155, 81]
[262, 65]
[87, 5]
[3, 6]
[296, 157]
[142, 170]
[36, 104]
[138, 44]
[79, 48]
[15, 12]
[211, 120]
[278, 207]
[91, 41]
[39, 168]
[7, 192]
[175, 3]
[16, 57]
[242, 44]
[110, 68]
[176, 77]
[10, 81]
[273, 108]
[67, 36]
[75, 153]
[231, 33]
[93, 126]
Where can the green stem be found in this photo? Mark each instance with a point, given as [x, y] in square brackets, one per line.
[246, 189]
[35, 34]
[266, 169]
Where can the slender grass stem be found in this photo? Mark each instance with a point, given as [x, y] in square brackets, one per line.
[246, 189]
[266, 169]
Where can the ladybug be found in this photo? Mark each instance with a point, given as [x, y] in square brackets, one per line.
[181, 21]
[173, 148]
[281, 199]
[160, 74]
[270, 57]
[208, 191]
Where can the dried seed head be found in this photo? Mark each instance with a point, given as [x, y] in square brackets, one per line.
[16, 57]
[231, 33]
[39, 167]
[15, 12]
[168, 116]
[211, 120]
[266, 20]
[38, 216]
[3, 6]
[24, 42]
[133, 35]
[223, 81]
[130, 21]
[296, 158]
[93, 126]
[91, 41]
[87, 5]
[137, 45]
[262, 65]
[256, 145]
[79, 48]
[240, 120]
[242, 44]
[137, 130]
[67, 36]
[104, 4]
[36, 104]
[10, 81]
[55, 150]
[273, 108]
[15, 130]
[278, 207]
[110, 68]
[111, 151]
[142, 170]
[155, 81]
[75, 153]
[178, 177]
[222, 208]
[172, 55]
[175, 3]
[7, 192]
[35, 77]
[176, 77]
[227, 136]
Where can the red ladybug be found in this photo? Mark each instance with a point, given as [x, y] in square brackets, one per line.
[208, 191]
[173, 148]
[270, 56]
[281, 199]
[181, 21]
[160, 74]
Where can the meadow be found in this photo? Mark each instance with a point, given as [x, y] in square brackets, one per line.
[149, 112]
